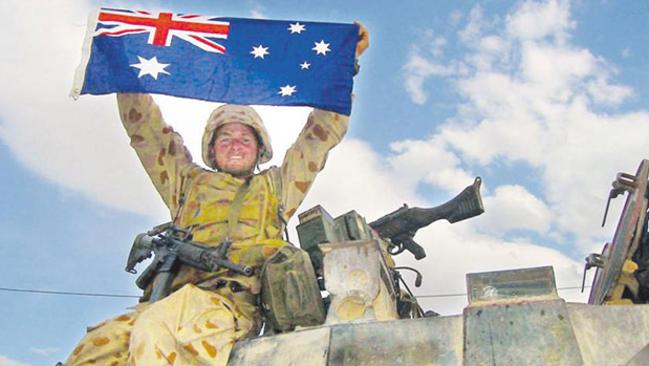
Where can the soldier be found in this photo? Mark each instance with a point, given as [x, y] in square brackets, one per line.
[207, 312]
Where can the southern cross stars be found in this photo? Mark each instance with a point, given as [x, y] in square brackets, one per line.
[150, 67]
[321, 48]
[259, 51]
[287, 90]
[296, 28]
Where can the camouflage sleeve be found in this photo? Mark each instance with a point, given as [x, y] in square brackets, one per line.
[160, 149]
[307, 156]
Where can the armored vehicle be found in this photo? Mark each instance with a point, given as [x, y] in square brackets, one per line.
[513, 317]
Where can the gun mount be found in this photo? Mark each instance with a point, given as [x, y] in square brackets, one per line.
[353, 259]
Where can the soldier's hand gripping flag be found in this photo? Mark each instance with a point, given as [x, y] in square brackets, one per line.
[232, 60]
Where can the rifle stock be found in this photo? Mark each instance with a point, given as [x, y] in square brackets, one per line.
[401, 225]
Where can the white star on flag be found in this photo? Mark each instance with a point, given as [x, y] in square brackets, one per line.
[321, 48]
[305, 65]
[287, 90]
[150, 67]
[260, 51]
[296, 28]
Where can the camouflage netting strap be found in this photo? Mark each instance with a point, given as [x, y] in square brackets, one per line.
[290, 294]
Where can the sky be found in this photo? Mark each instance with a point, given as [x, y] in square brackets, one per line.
[545, 100]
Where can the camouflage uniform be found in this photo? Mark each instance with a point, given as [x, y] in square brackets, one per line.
[201, 320]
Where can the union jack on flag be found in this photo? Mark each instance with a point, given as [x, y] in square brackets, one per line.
[231, 60]
[195, 29]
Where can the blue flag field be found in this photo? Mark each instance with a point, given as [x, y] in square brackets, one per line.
[229, 60]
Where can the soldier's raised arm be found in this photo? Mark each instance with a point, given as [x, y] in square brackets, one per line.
[304, 160]
[160, 149]
[307, 156]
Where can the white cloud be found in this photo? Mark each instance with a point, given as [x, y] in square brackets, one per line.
[476, 23]
[6, 361]
[47, 351]
[553, 70]
[442, 167]
[258, 11]
[626, 52]
[534, 20]
[79, 145]
[417, 70]
[493, 44]
[435, 44]
[532, 98]
[356, 178]
[454, 18]
[604, 93]
[515, 209]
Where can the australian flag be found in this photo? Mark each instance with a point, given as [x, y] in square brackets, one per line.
[230, 60]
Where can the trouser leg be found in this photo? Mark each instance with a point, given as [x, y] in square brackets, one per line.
[190, 327]
[105, 344]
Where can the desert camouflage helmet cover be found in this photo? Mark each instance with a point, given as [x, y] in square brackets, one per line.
[230, 113]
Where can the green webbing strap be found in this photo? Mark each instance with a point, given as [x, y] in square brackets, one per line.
[235, 208]
[185, 185]
[276, 183]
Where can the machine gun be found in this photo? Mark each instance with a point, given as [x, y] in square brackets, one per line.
[401, 225]
[171, 246]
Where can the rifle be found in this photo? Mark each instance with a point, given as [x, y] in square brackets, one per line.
[401, 225]
[171, 245]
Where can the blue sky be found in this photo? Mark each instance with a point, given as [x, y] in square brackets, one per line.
[546, 100]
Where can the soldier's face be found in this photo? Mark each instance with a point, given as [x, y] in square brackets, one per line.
[235, 148]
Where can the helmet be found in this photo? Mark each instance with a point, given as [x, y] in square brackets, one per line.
[230, 113]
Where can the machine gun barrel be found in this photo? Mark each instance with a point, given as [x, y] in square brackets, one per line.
[401, 225]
